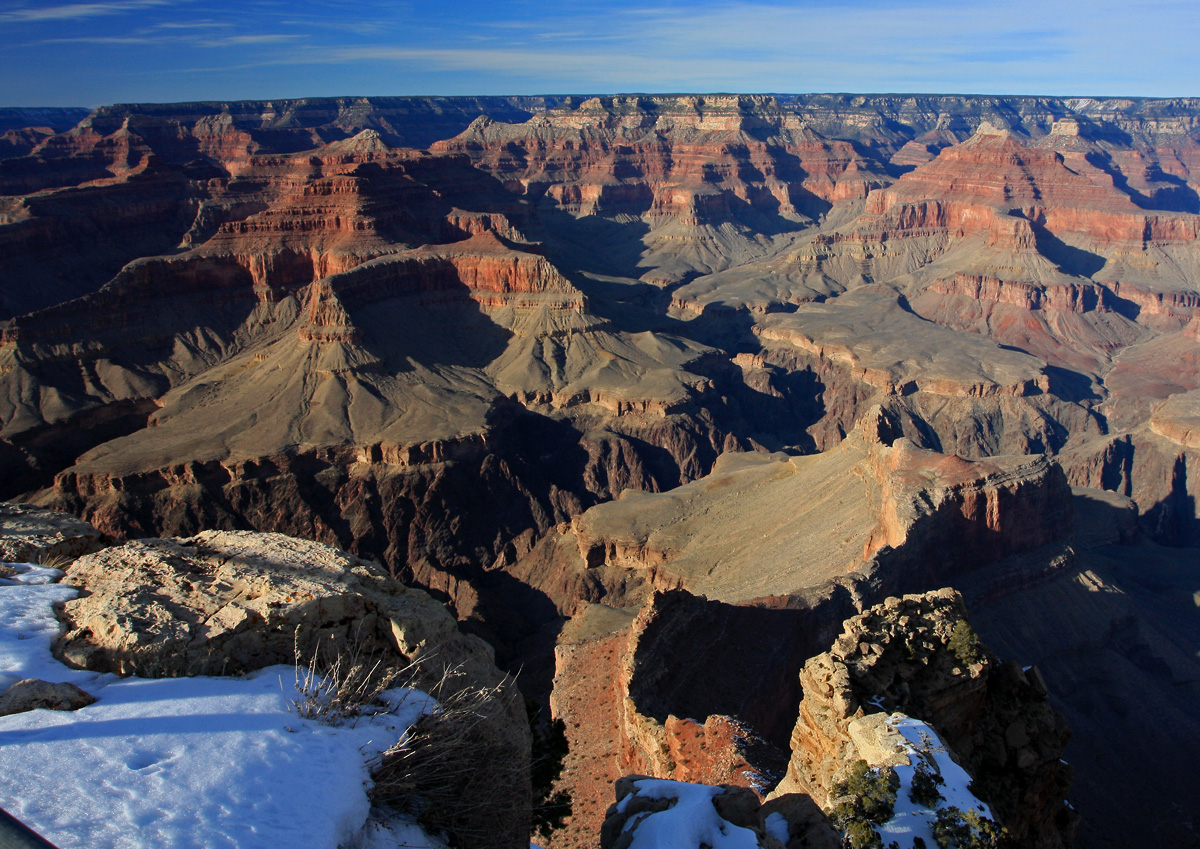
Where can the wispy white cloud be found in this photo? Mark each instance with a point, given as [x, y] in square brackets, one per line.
[1019, 46]
[261, 38]
[186, 25]
[76, 11]
[1086, 47]
[103, 39]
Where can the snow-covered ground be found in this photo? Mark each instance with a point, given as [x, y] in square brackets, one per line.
[690, 821]
[911, 819]
[210, 763]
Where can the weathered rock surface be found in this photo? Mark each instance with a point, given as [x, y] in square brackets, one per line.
[918, 655]
[227, 602]
[34, 535]
[35, 694]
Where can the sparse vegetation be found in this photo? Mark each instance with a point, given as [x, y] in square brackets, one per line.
[451, 768]
[964, 644]
[52, 559]
[968, 829]
[340, 687]
[924, 787]
[858, 834]
[866, 797]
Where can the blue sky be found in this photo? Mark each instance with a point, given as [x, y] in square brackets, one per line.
[90, 52]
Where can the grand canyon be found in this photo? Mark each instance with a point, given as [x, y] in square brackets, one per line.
[676, 401]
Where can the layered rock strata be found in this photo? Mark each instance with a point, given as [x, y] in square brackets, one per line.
[705, 689]
[763, 527]
[267, 315]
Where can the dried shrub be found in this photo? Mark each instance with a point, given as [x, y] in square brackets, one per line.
[454, 773]
[339, 687]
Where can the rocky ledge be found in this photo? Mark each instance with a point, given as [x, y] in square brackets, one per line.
[917, 655]
[229, 602]
[33, 534]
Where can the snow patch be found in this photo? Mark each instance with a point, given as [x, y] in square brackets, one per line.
[191, 763]
[911, 819]
[690, 822]
[777, 827]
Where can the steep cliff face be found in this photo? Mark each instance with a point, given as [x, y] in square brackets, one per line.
[384, 302]
[918, 655]
[854, 513]
[739, 578]
[714, 178]
[689, 158]
[1113, 636]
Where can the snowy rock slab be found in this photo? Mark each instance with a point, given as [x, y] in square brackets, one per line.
[654, 813]
[181, 762]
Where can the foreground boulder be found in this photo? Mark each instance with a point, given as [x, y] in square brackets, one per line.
[35, 694]
[36, 535]
[226, 602]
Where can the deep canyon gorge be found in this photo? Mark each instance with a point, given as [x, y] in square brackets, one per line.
[656, 392]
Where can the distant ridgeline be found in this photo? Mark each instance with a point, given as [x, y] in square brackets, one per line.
[57, 119]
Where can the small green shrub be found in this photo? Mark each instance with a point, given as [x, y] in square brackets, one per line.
[868, 796]
[964, 644]
[957, 829]
[859, 835]
[924, 788]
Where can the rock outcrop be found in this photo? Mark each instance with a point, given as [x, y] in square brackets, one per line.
[918, 655]
[687, 815]
[701, 665]
[34, 535]
[228, 602]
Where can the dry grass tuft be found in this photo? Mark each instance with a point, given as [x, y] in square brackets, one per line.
[453, 772]
[342, 687]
